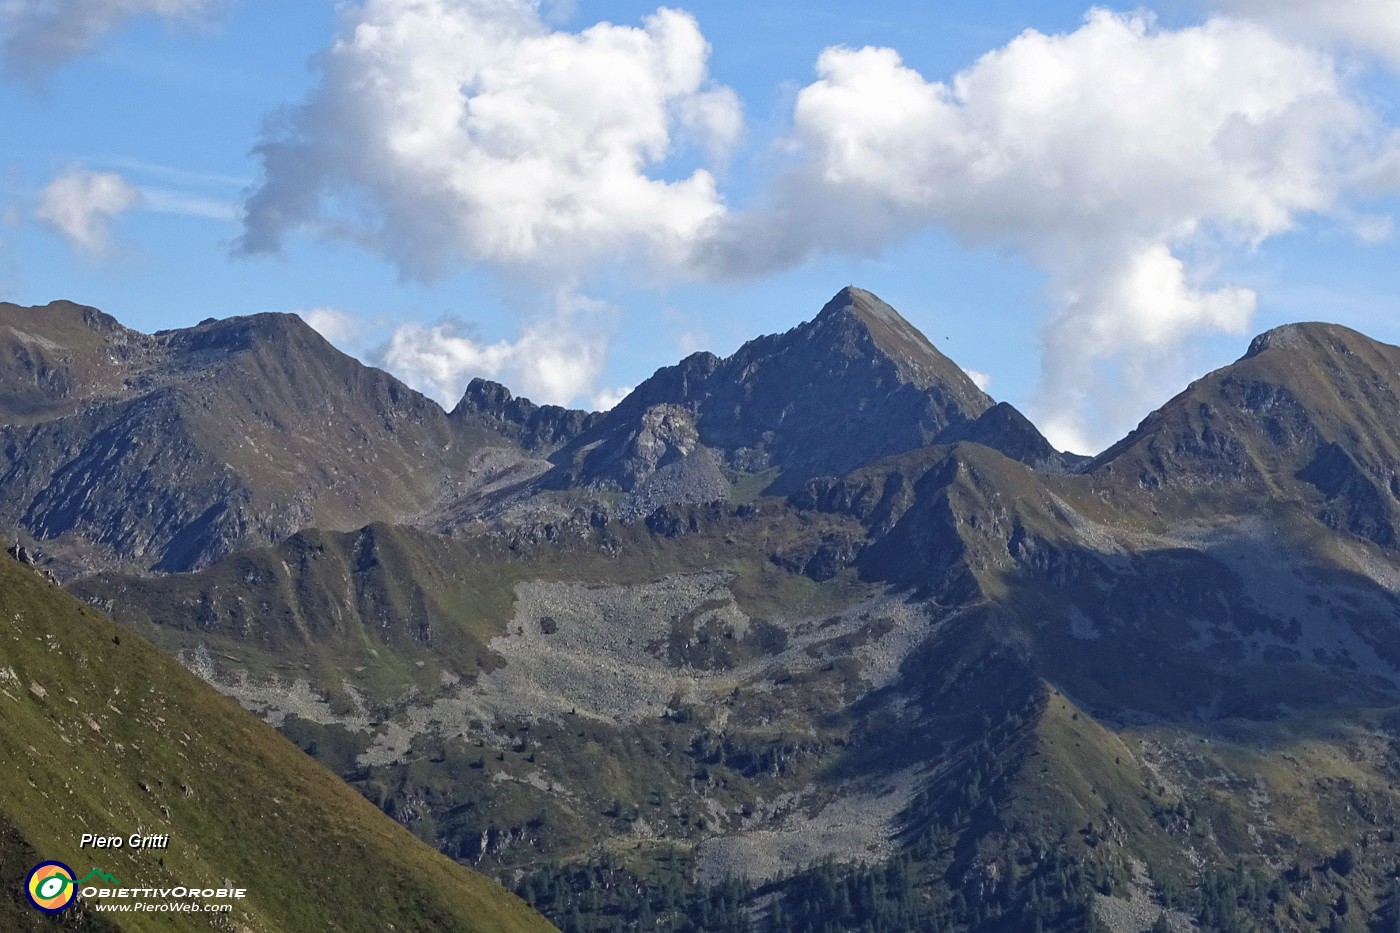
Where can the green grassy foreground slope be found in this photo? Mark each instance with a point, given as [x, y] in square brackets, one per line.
[101, 733]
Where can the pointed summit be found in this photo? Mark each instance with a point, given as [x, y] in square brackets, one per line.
[856, 383]
[912, 353]
[1004, 429]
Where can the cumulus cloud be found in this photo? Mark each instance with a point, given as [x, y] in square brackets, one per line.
[1103, 155]
[37, 36]
[980, 379]
[556, 360]
[449, 131]
[339, 327]
[80, 205]
[1125, 160]
[1371, 26]
[1135, 311]
[607, 399]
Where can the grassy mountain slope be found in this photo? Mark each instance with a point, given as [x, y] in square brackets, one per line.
[1035, 714]
[1307, 415]
[101, 733]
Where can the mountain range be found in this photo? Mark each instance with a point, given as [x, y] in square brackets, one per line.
[817, 636]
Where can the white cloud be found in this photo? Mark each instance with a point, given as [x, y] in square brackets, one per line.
[1102, 155]
[979, 379]
[37, 36]
[1125, 160]
[556, 360]
[1380, 176]
[607, 399]
[80, 204]
[1372, 229]
[448, 131]
[692, 340]
[339, 327]
[1135, 311]
[714, 117]
[185, 204]
[1371, 26]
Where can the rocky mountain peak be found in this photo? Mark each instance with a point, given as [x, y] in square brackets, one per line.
[229, 336]
[61, 312]
[1003, 428]
[1302, 336]
[855, 383]
[860, 314]
[56, 357]
[491, 406]
[485, 395]
[170, 450]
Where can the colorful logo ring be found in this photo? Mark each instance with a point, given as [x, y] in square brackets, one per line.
[50, 887]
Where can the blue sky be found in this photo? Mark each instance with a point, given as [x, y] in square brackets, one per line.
[1086, 208]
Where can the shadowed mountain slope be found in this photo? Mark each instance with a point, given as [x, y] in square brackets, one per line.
[170, 450]
[854, 384]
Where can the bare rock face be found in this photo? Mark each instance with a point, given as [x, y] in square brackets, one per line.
[695, 479]
[856, 383]
[658, 462]
[665, 435]
[538, 428]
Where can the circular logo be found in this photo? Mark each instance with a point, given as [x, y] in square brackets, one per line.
[50, 887]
